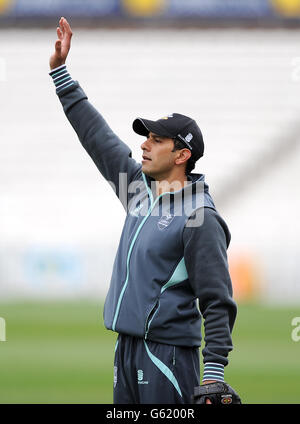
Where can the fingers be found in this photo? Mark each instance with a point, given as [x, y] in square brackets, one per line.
[59, 33]
[61, 29]
[65, 28]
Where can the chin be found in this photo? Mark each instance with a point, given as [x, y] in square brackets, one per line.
[146, 171]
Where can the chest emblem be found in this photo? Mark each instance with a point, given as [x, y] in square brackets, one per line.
[165, 221]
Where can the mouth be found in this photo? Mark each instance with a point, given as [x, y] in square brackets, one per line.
[145, 159]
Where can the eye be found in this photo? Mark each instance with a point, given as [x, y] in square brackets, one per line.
[157, 140]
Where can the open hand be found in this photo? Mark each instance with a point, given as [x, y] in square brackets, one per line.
[62, 45]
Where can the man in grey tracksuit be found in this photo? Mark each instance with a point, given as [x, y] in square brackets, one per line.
[171, 266]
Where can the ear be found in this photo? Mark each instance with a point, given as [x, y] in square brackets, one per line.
[183, 156]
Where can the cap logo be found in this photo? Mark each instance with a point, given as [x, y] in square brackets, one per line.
[189, 137]
[167, 117]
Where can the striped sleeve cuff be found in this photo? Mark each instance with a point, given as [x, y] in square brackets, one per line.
[213, 371]
[61, 78]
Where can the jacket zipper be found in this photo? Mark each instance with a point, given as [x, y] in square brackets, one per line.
[150, 317]
[152, 204]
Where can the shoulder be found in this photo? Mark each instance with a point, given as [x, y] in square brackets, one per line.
[206, 223]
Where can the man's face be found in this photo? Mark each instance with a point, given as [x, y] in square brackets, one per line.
[158, 158]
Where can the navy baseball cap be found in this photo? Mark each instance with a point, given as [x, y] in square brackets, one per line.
[174, 126]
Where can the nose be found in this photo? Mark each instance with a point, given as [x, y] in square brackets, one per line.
[145, 146]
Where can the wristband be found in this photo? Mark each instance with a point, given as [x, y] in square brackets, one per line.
[213, 371]
[61, 78]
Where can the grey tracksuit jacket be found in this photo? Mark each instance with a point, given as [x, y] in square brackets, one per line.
[171, 265]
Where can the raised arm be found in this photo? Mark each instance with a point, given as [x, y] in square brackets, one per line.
[111, 156]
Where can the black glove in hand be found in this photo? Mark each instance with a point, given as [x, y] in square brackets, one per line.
[219, 393]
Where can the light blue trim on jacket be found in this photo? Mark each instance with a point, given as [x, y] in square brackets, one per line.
[129, 254]
[148, 189]
[127, 264]
[180, 274]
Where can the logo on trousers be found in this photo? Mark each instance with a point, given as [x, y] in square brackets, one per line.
[140, 377]
[115, 376]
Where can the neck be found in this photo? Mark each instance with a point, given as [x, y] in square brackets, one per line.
[169, 184]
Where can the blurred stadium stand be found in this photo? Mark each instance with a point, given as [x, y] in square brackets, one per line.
[155, 12]
[60, 222]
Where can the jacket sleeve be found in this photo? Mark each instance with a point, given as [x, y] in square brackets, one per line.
[111, 155]
[207, 267]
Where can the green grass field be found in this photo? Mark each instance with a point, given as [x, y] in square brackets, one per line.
[60, 352]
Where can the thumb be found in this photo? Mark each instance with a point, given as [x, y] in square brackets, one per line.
[58, 47]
